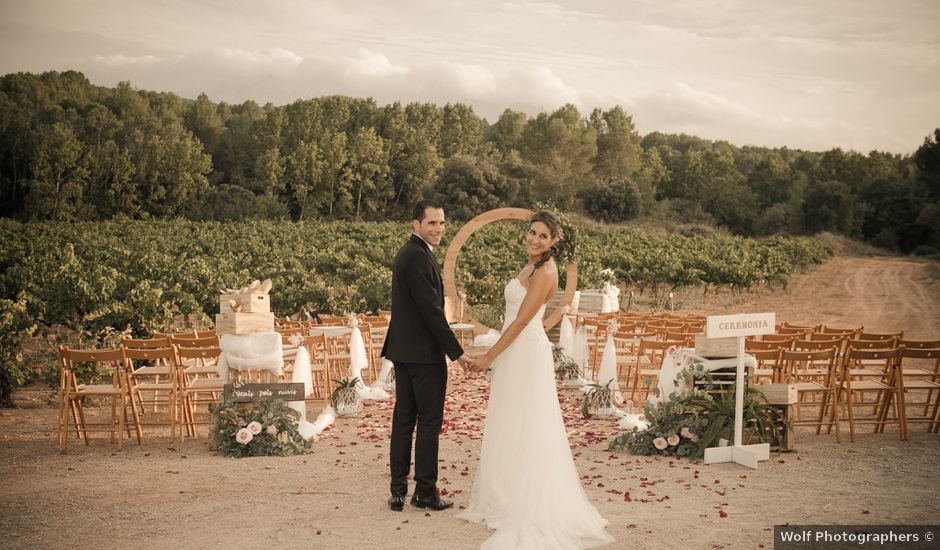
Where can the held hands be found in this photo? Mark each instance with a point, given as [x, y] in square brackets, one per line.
[481, 363]
[466, 362]
[470, 363]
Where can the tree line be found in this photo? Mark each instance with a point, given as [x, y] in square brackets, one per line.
[72, 151]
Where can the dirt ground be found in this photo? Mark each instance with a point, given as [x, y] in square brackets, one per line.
[161, 495]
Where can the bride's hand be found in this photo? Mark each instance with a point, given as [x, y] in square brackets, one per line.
[482, 363]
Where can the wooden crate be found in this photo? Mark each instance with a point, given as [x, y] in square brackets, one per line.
[778, 394]
[251, 302]
[716, 348]
[243, 323]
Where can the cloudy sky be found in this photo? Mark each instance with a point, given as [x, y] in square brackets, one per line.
[810, 74]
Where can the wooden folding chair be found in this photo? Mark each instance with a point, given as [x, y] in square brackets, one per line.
[336, 357]
[595, 329]
[137, 362]
[780, 338]
[190, 389]
[768, 369]
[896, 336]
[850, 332]
[649, 361]
[920, 375]
[156, 372]
[199, 367]
[813, 372]
[72, 396]
[627, 347]
[374, 334]
[789, 328]
[921, 370]
[858, 375]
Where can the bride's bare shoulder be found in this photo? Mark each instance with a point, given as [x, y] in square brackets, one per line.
[552, 267]
[547, 273]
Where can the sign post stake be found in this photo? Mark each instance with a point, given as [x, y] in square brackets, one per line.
[740, 326]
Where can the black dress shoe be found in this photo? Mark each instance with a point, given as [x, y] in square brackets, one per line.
[434, 502]
[397, 504]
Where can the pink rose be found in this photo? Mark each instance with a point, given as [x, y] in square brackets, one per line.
[660, 443]
[254, 427]
[685, 432]
[673, 440]
[243, 436]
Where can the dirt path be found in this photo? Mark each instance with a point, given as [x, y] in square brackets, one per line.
[159, 495]
[881, 294]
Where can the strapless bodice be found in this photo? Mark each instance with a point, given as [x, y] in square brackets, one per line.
[515, 293]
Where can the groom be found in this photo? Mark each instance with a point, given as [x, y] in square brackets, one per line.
[418, 339]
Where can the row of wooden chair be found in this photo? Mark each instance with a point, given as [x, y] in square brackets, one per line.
[903, 376]
[146, 379]
[897, 380]
[640, 343]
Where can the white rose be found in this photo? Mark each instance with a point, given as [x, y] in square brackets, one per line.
[673, 440]
[271, 429]
[243, 436]
[694, 438]
[254, 427]
[686, 433]
[660, 443]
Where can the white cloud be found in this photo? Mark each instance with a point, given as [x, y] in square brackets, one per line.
[539, 86]
[247, 62]
[120, 60]
[371, 64]
[851, 73]
[469, 81]
[684, 104]
[274, 56]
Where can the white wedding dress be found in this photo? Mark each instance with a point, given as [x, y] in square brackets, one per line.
[527, 487]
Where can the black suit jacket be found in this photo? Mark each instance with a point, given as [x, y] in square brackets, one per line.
[418, 331]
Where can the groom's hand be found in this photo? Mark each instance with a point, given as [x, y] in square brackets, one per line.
[465, 362]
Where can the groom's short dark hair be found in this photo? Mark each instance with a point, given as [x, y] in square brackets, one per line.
[421, 206]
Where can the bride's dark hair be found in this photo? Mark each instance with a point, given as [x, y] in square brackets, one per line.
[554, 229]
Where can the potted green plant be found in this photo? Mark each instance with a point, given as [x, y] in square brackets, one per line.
[567, 371]
[598, 400]
[345, 398]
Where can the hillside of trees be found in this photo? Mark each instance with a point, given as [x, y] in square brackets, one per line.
[72, 151]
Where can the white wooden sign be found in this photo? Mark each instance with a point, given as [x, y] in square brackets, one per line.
[739, 326]
[745, 324]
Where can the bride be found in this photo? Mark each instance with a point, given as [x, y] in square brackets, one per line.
[527, 487]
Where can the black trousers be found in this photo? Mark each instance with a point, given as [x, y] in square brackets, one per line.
[419, 401]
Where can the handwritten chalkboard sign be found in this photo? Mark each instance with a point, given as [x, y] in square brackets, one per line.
[253, 393]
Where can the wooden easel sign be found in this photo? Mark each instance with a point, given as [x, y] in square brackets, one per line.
[253, 393]
[739, 326]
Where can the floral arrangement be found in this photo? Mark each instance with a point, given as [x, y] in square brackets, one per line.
[691, 421]
[268, 428]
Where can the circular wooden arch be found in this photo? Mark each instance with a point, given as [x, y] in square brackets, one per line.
[497, 215]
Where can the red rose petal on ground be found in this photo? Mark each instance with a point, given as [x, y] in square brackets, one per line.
[722, 514]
